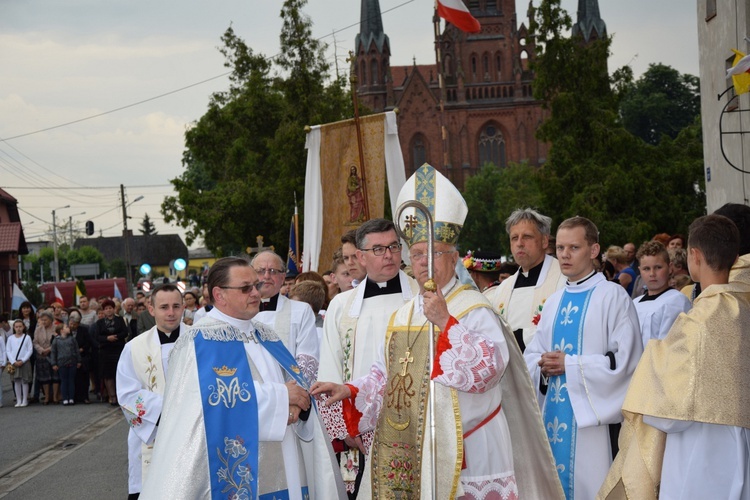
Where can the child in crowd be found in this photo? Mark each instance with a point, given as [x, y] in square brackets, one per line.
[65, 359]
[660, 306]
[687, 420]
[18, 349]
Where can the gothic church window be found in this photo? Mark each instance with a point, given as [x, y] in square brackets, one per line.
[492, 146]
[374, 72]
[418, 152]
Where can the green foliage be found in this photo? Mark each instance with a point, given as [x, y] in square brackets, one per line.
[85, 255]
[596, 168]
[245, 158]
[492, 195]
[32, 292]
[116, 268]
[147, 227]
[661, 102]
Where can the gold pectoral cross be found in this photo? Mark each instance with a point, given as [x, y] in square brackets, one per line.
[408, 358]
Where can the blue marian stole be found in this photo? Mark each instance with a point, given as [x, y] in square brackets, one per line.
[226, 383]
[229, 407]
[559, 420]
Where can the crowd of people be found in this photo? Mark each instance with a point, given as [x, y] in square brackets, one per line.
[59, 355]
[570, 372]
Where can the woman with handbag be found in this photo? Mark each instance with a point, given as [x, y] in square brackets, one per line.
[18, 351]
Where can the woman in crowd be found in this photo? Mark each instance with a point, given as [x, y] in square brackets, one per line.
[625, 274]
[26, 314]
[111, 332]
[18, 350]
[43, 337]
[191, 305]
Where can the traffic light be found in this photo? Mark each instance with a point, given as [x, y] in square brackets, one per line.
[89, 228]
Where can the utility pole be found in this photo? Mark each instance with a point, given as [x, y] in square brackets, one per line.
[55, 266]
[126, 235]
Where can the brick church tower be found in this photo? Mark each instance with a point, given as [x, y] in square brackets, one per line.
[490, 114]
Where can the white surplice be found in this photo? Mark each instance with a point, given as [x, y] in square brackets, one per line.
[520, 307]
[596, 391]
[297, 330]
[179, 468]
[370, 319]
[657, 316]
[703, 460]
[141, 398]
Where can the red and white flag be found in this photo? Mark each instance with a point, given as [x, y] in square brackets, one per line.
[58, 297]
[456, 13]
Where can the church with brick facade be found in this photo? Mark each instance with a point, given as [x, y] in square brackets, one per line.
[489, 112]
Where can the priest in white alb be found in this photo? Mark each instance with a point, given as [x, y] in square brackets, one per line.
[354, 328]
[141, 380]
[581, 360]
[475, 367]
[520, 298]
[235, 408]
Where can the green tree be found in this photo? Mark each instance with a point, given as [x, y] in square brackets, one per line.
[116, 268]
[147, 227]
[595, 167]
[86, 255]
[661, 102]
[245, 158]
[492, 195]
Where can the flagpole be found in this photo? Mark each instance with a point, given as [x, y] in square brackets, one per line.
[355, 101]
[441, 85]
[297, 259]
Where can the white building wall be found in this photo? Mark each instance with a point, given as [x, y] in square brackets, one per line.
[717, 37]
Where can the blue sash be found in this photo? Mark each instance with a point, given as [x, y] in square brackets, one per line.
[226, 383]
[559, 420]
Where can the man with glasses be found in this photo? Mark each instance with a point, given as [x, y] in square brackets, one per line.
[473, 353]
[293, 321]
[354, 328]
[231, 426]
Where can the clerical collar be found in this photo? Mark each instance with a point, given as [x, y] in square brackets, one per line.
[269, 304]
[373, 289]
[530, 278]
[579, 282]
[168, 339]
[647, 297]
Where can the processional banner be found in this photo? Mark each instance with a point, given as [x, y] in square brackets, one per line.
[340, 193]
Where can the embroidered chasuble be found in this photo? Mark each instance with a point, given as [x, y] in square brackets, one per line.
[223, 431]
[559, 419]
[476, 454]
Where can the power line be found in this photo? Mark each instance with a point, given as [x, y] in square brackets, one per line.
[104, 113]
[144, 186]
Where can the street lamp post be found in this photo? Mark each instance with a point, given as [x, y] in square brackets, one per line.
[128, 271]
[55, 270]
[70, 227]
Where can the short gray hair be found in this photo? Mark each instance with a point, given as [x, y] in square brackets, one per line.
[543, 223]
[270, 252]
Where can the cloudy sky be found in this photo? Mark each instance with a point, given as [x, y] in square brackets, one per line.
[63, 62]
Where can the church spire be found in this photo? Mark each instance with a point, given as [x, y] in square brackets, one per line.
[371, 29]
[589, 23]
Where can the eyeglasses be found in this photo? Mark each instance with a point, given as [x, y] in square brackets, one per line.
[423, 256]
[379, 251]
[245, 289]
[270, 270]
